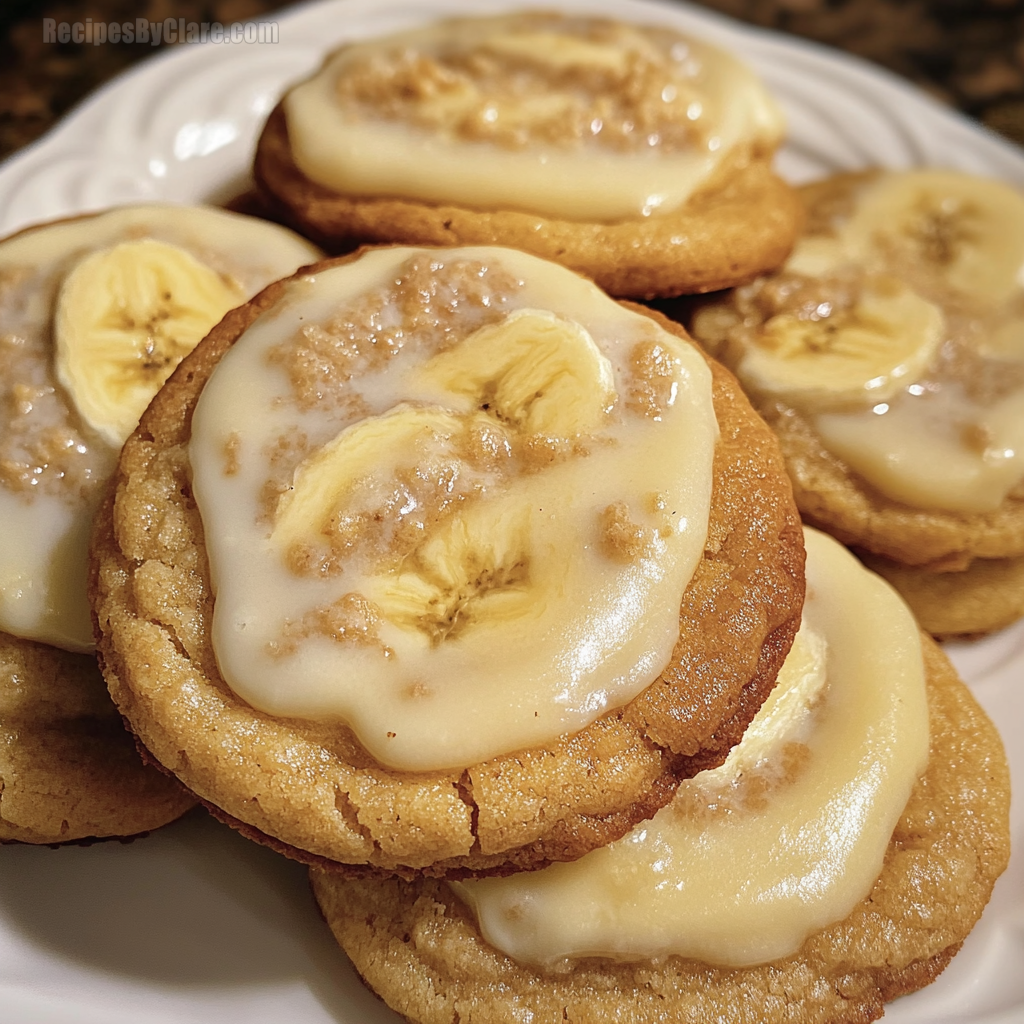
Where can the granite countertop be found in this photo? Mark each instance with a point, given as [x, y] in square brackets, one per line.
[968, 53]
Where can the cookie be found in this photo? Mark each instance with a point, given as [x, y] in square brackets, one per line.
[987, 595]
[634, 155]
[420, 947]
[68, 768]
[94, 312]
[885, 356]
[301, 779]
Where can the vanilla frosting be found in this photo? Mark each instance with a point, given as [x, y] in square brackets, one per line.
[529, 600]
[571, 117]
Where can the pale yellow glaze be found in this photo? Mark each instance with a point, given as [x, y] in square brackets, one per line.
[785, 838]
[565, 631]
[934, 450]
[353, 149]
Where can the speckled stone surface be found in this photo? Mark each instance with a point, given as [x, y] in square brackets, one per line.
[969, 53]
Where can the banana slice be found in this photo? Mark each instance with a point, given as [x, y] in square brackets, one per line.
[353, 473]
[476, 570]
[473, 568]
[558, 51]
[531, 373]
[126, 316]
[854, 358]
[968, 230]
[533, 370]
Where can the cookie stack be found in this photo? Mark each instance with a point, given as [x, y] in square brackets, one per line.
[446, 568]
[442, 569]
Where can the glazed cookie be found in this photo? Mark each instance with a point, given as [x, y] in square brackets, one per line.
[887, 357]
[441, 560]
[634, 155]
[94, 314]
[701, 914]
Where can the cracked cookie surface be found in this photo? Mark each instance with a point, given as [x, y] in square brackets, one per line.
[310, 790]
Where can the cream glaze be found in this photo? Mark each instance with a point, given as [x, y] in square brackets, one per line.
[783, 839]
[354, 149]
[587, 631]
[914, 450]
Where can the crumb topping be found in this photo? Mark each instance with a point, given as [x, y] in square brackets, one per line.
[831, 301]
[231, 447]
[561, 81]
[653, 379]
[352, 619]
[426, 304]
[622, 540]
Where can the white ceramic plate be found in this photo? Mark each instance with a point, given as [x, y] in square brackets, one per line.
[196, 924]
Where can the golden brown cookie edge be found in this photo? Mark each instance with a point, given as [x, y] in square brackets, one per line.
[69, 770]
[986, 596]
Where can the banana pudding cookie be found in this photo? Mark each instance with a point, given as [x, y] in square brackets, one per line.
[95, 312]
[888, 355]
[635, 155]
[835, 861]
[442, 560]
